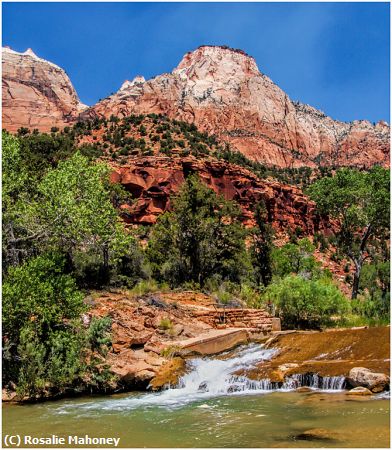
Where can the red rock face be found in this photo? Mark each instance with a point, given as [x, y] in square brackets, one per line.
[223, 92]
[36, 93]
[153, 180]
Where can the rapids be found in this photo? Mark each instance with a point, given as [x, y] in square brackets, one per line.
[212, 407]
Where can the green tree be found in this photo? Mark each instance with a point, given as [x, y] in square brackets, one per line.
[39, 301]
[295, 259]
[42, 151]
[16, 195]
[360, 201]
[302, 303]
[201, 237]
[46, 347]
[262, 246]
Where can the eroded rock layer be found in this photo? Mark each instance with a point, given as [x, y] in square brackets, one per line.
[36, 93]
[154, 180]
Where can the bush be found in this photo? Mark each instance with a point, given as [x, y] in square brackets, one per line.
[41, 309]
[304, 303]
[99, 335]
[145, 287]
[166, 324]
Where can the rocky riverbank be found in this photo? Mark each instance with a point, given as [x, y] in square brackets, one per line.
[152, 333]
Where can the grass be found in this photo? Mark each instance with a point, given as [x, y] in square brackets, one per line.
[148, 287]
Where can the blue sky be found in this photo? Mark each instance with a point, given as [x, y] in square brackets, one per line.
[334, 56]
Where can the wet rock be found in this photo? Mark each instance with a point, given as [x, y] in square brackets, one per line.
[317, 434]
[202, 387]
[361, 376]
[145, 375]
[360, 390]
[278, 375]
[287, 366]
[304, 389]
[168, 373]
[233, 388]
[8, 395]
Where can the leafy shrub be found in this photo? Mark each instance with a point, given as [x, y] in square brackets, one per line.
[145, 287]
[295, 258]
[304, 303]
[99, 334]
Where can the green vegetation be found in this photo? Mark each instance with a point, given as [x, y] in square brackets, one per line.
[360, 200]
[60, 234]
[303, 303]
[202, 236]
[45, 345]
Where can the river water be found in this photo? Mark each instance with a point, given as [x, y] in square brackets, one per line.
[214, 408]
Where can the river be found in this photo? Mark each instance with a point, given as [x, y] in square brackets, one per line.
[213, 408]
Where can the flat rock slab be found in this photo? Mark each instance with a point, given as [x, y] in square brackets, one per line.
[214, 341]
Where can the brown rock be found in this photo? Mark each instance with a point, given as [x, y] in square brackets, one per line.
[169, 373]
[236, 183]
[304, 389]
[145, 375]
[8, 396]
[141, 338]
[178, 330]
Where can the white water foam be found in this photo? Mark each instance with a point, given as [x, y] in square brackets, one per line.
[208, 378]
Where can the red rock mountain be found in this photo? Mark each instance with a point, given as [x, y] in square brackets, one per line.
[220, 89]
[223, 92]
[36, 93]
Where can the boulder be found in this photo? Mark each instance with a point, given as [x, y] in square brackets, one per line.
[145, 375]
[168, 373]
[178, 330]
[361, 376]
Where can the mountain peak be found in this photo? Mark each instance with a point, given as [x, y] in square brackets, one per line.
[30, 52]
[209, 59]
[139, 79]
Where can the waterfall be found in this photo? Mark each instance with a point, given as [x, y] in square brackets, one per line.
[208, 377]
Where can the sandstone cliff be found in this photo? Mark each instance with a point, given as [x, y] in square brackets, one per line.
[153, 180]
[223, 92]
[36, 93]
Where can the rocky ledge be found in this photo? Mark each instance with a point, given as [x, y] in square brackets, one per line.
[361, 355]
